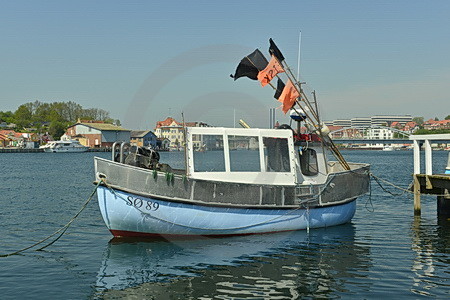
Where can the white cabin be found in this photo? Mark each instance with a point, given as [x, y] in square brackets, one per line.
[253, 156]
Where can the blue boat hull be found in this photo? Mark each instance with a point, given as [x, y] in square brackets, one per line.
[127, 214]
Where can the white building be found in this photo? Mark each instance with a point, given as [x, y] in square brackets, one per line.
[173, 131]
[343, 123]
[388, 120]
[361, 122]
[380, 133]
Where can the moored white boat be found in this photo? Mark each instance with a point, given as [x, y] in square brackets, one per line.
[65, 144]
[279, 180]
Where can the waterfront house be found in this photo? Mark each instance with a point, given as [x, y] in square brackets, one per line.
[410, 127]
[336, 132]
[10, 138]
[173, 131]
[144, 138]
[162, 144]
[97, 134]
[433, 125]
[3, 140]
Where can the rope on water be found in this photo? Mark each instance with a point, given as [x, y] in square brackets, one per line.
[60, 231]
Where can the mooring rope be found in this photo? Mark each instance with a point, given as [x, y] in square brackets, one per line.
[378, 180]
[61, 231]
[369, 200]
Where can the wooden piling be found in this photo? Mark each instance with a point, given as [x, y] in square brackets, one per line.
[417, 208]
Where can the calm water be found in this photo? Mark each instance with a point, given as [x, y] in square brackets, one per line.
[384, 252]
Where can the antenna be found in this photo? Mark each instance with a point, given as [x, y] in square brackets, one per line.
[299, 48]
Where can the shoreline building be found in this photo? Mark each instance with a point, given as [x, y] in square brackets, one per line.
[377, 120]
[433, 125]
[361, 122]
[172, 130]
[97, 134]
[342, 123]
[387, 120]
[144, 138]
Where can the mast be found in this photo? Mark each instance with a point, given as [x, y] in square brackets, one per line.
[321, 132]
[299, 49]
[314, 118]
[185, 146]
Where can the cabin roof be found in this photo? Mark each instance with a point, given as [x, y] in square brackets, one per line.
[140, 133]
[102, 126]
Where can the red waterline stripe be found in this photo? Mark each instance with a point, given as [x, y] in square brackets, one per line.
[134, 234]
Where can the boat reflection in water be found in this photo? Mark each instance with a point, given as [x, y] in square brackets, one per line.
[324, 262]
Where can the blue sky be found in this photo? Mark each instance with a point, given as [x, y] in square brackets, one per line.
[144, 60]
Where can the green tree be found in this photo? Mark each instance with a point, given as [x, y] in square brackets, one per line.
[6, 116]
[23, 116]
[447, 117]
[52, 116]
[418, 120]
[434, 131]
[95, 114]
[57, 129]
[40, 116]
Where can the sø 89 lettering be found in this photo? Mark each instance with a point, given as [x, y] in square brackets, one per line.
[139, 203]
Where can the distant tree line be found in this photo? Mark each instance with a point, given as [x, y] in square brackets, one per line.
[54, 117]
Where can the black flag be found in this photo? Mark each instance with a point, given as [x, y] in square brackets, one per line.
[251, 65]
[279, 90]
[273, 50]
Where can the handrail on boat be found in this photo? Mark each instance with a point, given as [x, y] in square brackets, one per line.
[113, 150]
[122, 146]
[121, 157]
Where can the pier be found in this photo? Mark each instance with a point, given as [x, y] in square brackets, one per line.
[429, 183]
[37, 150]
[20, 150]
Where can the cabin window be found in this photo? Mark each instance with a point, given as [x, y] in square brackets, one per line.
[209, 156]
[276, 155]
[244, 153]
[308, 162]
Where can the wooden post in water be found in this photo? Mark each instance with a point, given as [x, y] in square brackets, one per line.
[417, 208]
[416, 149]
[436, 184]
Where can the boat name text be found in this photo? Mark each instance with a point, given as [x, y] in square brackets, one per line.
[139, 203]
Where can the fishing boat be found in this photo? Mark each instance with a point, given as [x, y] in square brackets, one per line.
[280, 179]
[65, 145]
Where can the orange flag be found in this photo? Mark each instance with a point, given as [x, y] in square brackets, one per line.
[272, 69]
[288, 96]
